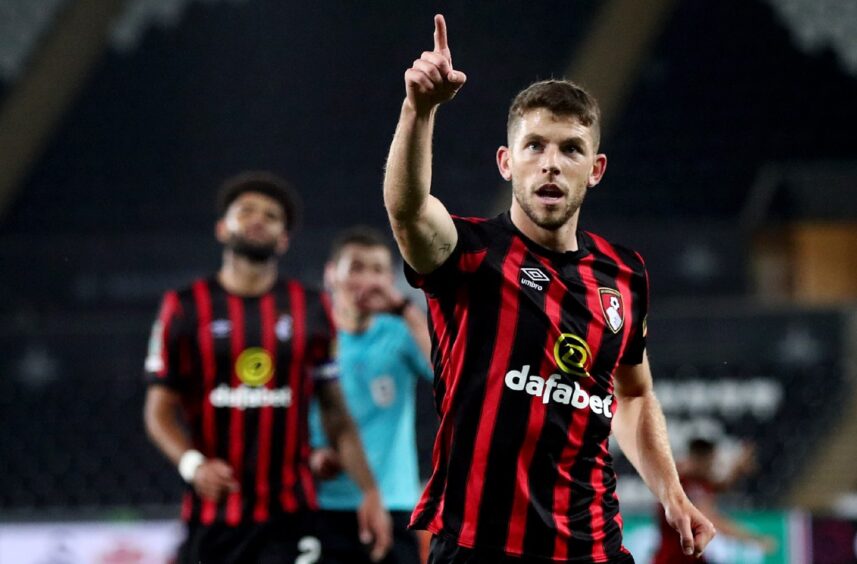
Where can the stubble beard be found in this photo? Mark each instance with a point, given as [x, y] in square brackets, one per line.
[254, 252]
[551, 220]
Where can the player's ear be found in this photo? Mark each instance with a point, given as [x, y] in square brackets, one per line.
[503, 164]
[282, 243]
[220, 232]
[599, 167]
[329, 275]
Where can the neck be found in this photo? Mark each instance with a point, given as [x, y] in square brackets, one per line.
[349, 318]
[244, 277]
[562, 239]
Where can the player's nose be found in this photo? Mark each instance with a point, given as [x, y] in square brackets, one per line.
[549, 161]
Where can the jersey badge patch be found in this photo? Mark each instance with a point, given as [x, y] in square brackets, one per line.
[613, 308]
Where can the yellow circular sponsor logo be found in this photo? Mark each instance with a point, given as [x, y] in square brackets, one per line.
[254, 366]
[572, 355]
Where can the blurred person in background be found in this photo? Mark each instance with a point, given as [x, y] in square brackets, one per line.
[383, 347]
[700, 481]
[233, 360]
[540, 329]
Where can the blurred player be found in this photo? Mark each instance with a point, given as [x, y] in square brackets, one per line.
[237, 355]
[702, 486]
[540, 330]
[383, 347]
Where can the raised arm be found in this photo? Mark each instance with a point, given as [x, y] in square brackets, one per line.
[421, 224]
[641, 432]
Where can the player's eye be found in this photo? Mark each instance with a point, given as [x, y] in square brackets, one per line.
[534, 145]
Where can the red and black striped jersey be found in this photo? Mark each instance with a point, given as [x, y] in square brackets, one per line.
[525, 344]
[245, 368]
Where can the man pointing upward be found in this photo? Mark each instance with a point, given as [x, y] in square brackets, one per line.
[532, 372]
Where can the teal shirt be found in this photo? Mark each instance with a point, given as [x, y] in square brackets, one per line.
[378, 371]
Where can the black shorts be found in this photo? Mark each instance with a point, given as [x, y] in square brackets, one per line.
[282, 540]
[340, 542]
[447, 551]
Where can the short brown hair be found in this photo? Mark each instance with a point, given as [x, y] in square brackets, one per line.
[562, 97]
[361, 235]
[265, 183]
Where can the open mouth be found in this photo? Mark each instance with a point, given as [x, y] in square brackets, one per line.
[549, 193]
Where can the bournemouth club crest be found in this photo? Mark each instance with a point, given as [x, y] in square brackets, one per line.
[613, 308]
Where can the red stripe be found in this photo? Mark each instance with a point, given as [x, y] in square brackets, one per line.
[594, 334]
[308, 484]
[297, 306]
[202, 297]
[461, 317]
[580, 418]
[538, 410]
[470, 262]
[441, 332]
[470, 219]
[623, 285]
[187, 506]
[170, 308]
[306, 473]
[268, 316]
[235, 306]
[507, 326]
[307, 479]
[328, 312]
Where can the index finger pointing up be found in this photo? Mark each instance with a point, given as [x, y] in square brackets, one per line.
[440, 44]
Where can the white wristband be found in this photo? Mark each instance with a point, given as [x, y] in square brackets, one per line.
[188, 464]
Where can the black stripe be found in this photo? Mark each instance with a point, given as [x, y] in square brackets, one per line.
[224, 363]
[252, 338]
[278, 433]
[192, 388]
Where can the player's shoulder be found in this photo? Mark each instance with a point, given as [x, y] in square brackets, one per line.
[189, 289]
[316, 301]
[478, 233]
[615, 252]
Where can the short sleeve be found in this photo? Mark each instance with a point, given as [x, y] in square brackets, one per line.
[321, 347]
[441, 279]
[469, 249]
[168, 344]
[637, 342]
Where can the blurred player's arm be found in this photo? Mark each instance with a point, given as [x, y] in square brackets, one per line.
[210, 477]
[374, 521]
[641, 431]
[731, 528]
[743, 465]
[421, 224]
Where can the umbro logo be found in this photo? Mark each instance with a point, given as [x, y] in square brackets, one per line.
[220, 328]
[534, 278]
[535, 274]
